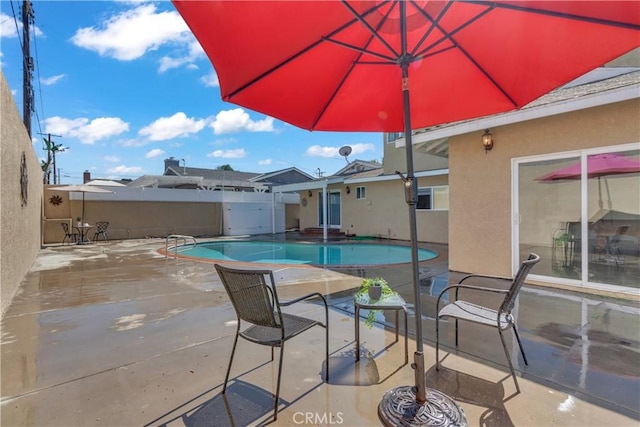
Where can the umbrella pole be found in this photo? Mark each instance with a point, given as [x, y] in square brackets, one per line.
[415, 405]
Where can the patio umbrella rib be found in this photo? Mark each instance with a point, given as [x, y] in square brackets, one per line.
[374, 32]
[450, 36]
[562, 15]
[228, 97]
[389, 61]
[435, 22]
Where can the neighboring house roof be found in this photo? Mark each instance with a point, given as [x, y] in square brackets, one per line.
[357, 166]
[215, 174]
[367, 174]
[268, 177]
[105, 183]
[195, 182]
[176, 176]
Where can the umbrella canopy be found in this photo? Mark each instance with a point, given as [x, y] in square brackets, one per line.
[330, 65]
[398, 65]
[82, 188]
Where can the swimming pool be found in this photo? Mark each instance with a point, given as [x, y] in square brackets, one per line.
[334, 254]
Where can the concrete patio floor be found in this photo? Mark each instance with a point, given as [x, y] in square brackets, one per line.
[114, 334]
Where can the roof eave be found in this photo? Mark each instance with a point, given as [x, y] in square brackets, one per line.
[588, 101]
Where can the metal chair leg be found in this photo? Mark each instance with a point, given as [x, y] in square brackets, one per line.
[456, 333]
[275, 405]
[233, 351]
[326, 355]
[437, 342]
[515, 331]
[506, 352]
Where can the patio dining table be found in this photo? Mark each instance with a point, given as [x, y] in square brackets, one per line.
[83, 229]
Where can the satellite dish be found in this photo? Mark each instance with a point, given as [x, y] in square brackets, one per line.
[345, 151]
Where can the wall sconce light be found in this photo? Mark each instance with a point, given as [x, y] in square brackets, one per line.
[348, 190]
[310, 193]
[487, 140]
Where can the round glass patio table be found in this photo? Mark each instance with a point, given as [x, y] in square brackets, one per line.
[389, 302]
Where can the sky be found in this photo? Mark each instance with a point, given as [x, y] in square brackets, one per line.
[123, 85]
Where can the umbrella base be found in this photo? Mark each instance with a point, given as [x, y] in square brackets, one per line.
[399, 407]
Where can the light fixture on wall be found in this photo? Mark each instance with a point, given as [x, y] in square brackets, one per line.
[487, 140]
[348, 190]
[310, 193]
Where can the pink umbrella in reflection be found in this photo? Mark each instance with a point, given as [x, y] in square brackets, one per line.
[598, 166]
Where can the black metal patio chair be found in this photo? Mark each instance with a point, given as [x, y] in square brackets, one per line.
[101, 230]
[500, 318]
[255, 301]
[68, 234]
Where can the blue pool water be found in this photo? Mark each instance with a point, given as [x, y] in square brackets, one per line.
[304, 253]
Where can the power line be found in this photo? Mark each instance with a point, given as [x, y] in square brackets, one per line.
[37, 66]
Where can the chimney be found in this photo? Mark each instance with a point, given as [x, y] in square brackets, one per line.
[86, 177]
[171, 162]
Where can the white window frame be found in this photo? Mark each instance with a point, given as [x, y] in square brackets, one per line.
[431, 189]
[361, 193]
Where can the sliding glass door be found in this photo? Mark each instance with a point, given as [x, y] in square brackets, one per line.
[334, 209]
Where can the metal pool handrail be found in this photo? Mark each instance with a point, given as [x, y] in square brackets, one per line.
[177, 238]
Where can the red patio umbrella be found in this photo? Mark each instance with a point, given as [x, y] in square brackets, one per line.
[395, 65]
[598, 166]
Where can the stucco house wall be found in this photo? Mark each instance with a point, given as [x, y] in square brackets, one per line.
[395, 159]
[20, 223]
[480, 184]
[383, 213]
[131, 219]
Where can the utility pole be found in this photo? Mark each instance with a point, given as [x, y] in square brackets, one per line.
[52, 148]
[27, 67]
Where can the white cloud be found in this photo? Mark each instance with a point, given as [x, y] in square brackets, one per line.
[318, 151]
[178, 125]
[132, 142]
[238, 120]
[238, 153]
[265, 162]
[361, 148]
[130, 34]
[210, 80]
[225, 141]
[194, 52]
[85, 130]
[112, 159]
[51, 80]
[125, 170]
[329, 152]
[154, 153]
[10, 27]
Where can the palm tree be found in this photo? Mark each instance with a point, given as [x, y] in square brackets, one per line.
[52, 148]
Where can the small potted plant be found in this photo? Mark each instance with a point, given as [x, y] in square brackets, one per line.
[375, 288]
[78, 221]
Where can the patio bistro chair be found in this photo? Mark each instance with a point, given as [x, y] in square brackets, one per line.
[255, 301]
[101, 230]
[500, 319]
[68, 234]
